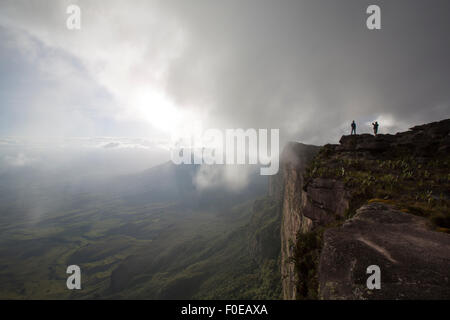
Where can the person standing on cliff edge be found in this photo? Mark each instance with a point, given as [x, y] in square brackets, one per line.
[353, 127]
[375, 128]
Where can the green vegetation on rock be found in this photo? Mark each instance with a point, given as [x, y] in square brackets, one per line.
[418, 186]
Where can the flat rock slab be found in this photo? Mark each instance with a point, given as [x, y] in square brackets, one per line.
[414, 261]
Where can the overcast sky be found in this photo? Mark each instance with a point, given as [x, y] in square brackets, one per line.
[148, 68]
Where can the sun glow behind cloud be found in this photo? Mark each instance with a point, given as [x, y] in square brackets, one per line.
[155, 108]
[128, 61]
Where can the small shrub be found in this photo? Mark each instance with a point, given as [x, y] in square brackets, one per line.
[307, 254]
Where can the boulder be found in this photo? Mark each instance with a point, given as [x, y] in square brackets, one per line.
[414, 260]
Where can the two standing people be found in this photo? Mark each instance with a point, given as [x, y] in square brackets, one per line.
[374, 124]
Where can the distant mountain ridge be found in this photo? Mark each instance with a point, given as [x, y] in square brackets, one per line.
[170, 182]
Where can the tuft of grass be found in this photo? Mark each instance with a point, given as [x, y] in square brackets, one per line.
[386, 201]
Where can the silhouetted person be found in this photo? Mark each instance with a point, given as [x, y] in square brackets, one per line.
[353, 127]
[375, 128]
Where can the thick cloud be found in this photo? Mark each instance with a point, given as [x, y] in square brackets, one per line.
[150, 67]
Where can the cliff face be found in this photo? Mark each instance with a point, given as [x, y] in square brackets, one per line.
[321, 188]
[304, 206]
[287, 186]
